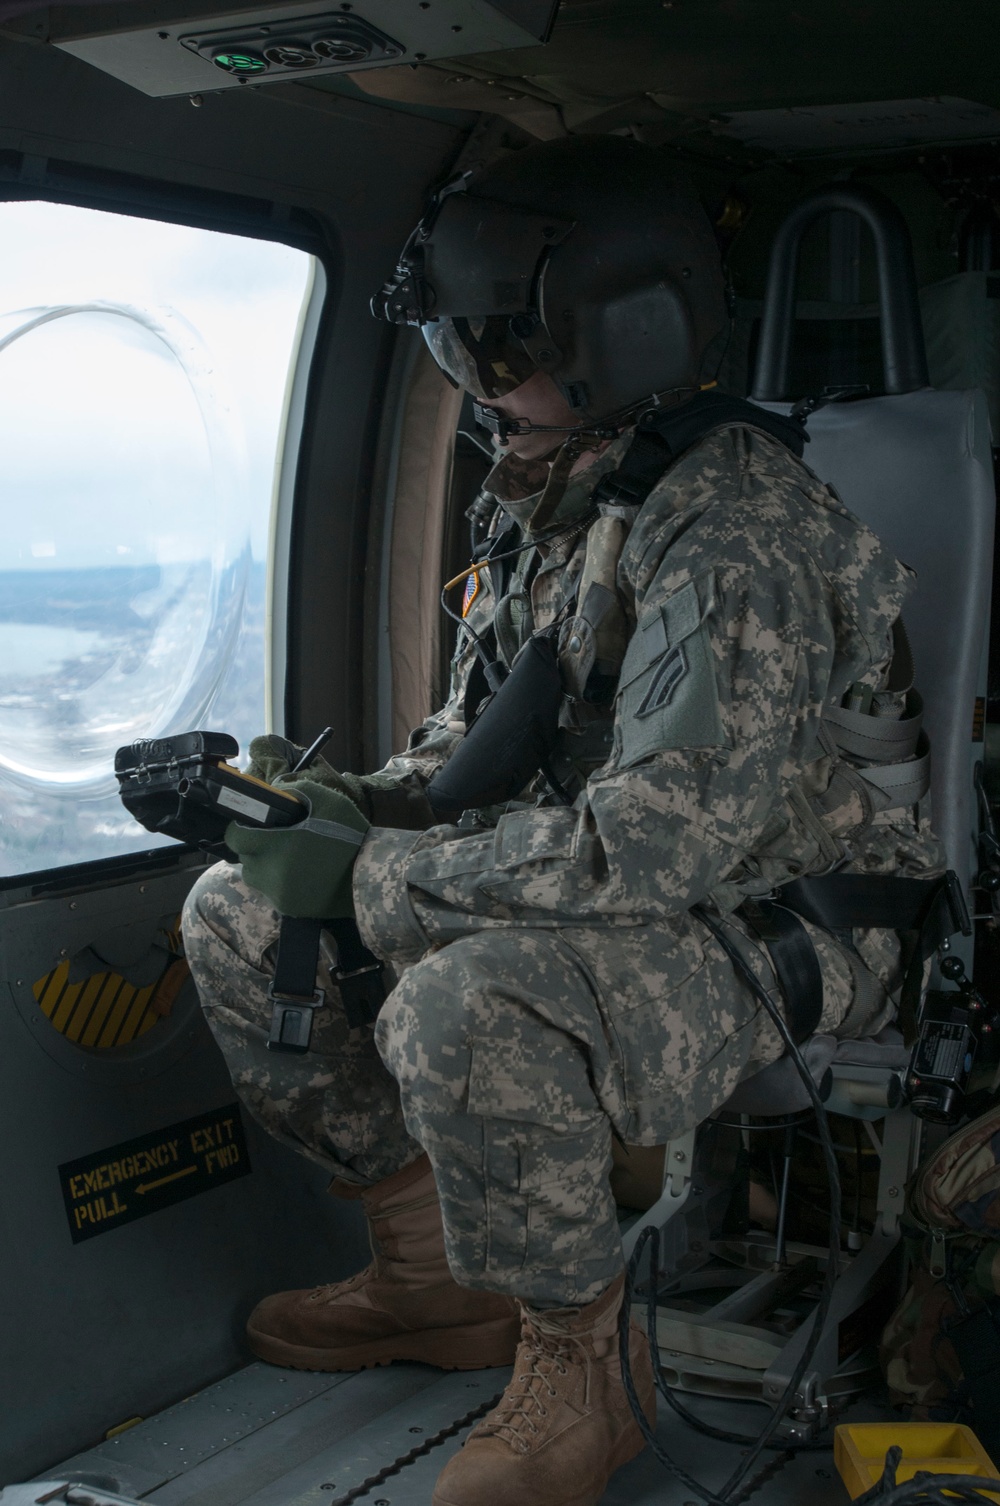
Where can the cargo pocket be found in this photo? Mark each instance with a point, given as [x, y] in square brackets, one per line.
[533, 1082]
[667, 694]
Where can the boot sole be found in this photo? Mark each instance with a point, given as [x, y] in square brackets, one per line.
[483, 1347]
[630, 1446]
[623, 1455]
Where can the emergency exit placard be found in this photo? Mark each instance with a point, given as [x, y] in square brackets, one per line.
[141, 1176]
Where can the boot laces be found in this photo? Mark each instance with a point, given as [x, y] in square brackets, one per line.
[546, 1351]
[336, 1289]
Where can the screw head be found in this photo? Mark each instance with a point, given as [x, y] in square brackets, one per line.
[893, 1192]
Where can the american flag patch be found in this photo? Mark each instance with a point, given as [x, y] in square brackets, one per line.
[471, 592]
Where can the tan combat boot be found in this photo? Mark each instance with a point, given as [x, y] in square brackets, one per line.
[404, 1306]
[564, 1425]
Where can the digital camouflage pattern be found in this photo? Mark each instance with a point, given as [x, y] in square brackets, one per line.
[955, 1195]
[337, 1104]
[553, 986]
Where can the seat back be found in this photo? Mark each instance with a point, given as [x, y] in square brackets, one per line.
[917, 468]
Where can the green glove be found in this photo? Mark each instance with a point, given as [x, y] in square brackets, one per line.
[272, 757]
[305, 870]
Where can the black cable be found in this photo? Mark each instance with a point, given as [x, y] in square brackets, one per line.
[651, 1235]
[925, 1489]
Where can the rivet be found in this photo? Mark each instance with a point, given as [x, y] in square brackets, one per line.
[164, 36]
[72, 904]
[576, 643]
[894, 1192]
[143, 888]
[197, 101]
[679, 1155]
[420, 56]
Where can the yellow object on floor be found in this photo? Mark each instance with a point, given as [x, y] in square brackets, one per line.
[943, 1448]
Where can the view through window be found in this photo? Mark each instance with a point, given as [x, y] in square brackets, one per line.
[144, 372]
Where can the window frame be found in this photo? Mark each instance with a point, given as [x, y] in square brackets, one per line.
[25, 179]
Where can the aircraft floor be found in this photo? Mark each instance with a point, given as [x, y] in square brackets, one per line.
[270, 1437]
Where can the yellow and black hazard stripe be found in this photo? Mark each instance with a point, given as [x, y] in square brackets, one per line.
[105, 1010]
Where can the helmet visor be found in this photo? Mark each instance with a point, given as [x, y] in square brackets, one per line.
[481, 355]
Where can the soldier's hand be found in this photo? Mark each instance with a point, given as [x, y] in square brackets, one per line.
[305, 870]
[272, 759]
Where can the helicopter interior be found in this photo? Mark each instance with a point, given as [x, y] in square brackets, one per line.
[232, 497]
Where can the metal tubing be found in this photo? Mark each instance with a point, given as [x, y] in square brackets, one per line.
[904, 358]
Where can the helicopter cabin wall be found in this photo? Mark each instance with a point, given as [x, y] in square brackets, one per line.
[143, 1213]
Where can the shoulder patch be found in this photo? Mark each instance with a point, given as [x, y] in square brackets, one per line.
[471, 591]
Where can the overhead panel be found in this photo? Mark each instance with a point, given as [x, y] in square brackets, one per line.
[193, 54]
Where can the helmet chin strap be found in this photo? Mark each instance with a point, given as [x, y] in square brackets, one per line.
[504, 428]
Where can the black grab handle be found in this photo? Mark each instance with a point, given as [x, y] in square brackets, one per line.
[904, 358]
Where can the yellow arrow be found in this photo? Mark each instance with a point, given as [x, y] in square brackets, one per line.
[151, 1186]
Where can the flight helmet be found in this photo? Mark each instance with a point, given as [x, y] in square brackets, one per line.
[580, 258]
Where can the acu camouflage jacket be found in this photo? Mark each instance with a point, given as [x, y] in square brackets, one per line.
[752, 599]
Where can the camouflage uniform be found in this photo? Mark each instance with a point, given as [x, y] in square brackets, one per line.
[553, 986]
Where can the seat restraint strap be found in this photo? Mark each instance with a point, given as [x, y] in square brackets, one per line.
[293, 991]
[793, 957]
[929, 910]
[359, 975]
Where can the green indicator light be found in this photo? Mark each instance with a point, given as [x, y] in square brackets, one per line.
[239, 62]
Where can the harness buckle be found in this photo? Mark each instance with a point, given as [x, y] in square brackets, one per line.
[292, 1019]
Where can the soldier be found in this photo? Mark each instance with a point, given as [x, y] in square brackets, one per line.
[711, 608]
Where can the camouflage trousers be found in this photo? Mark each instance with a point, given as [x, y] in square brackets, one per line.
[510, 1056]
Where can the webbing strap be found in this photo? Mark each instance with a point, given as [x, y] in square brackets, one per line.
[359, 974]
[930, 910]
[795, 963]
[880, 738]
[297, 959]
[842, 901]
[901, 784]
[664, 433]
[293, 992]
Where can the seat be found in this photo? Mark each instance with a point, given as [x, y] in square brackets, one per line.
[916, 465]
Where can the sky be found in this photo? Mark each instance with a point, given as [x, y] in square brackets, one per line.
[143, 430]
